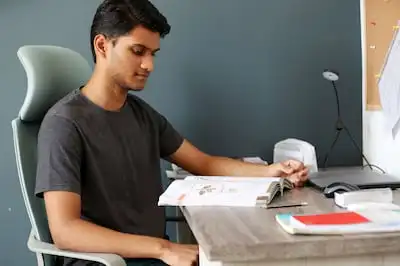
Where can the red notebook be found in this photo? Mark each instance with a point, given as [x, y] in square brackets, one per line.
[332, 218]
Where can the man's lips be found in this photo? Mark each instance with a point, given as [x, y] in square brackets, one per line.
[142, 75]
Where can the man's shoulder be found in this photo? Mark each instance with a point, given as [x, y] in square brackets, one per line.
[66, 115]
[71, 108]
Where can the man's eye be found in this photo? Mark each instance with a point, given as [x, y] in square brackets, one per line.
[138, 52]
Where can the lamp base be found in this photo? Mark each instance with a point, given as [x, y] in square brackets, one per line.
[340, 126]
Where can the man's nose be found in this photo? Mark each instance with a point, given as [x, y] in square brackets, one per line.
[147, 63]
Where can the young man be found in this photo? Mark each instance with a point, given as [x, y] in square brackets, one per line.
[99, 149]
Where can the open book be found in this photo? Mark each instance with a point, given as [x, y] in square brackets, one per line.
[223, 191]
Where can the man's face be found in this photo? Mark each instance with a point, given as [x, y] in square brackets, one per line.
[129, 59]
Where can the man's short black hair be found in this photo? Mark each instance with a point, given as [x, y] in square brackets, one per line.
[115, 18]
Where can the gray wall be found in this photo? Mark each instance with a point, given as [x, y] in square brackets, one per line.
[233, 76]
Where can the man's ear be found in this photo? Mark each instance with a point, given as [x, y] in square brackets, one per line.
[100, 44]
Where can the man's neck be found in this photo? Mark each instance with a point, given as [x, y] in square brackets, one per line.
[103, 91]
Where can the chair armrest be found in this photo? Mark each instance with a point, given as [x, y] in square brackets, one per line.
[45, 248]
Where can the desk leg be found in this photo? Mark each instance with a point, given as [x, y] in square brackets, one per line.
[367, 260]
[184, 234]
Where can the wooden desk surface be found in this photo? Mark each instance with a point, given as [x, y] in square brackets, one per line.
[245, 234]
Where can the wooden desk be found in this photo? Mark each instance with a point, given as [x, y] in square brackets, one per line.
[251, 236]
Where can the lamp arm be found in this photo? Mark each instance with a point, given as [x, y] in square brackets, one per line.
[337, 100]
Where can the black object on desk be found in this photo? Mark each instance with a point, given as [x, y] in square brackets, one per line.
[338, 187]
[362, 178]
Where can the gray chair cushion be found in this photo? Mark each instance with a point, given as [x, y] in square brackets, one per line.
[52, 72]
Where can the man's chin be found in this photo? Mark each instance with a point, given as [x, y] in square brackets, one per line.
[137, 86]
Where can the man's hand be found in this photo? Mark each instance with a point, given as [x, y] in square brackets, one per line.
[180, 255]
[293, 170]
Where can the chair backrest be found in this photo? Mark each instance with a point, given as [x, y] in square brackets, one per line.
[52, 72]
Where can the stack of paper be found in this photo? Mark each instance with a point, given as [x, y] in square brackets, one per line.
[378, 195]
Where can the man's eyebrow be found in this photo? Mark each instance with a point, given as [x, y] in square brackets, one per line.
[144, 46]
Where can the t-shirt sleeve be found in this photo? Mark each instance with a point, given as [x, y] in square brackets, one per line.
[169, 138]
[59, 154]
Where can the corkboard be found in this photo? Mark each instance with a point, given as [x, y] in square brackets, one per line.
[381, 18]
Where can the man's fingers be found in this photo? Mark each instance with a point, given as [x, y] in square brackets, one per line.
[298, 178]
[304, 174]
[190, 255]
[295, 182]
[287, 169]
[296, 165]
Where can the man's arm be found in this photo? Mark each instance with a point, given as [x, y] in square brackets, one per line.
[180, 151]
[70, 232]
[60, 156]
[197, 162]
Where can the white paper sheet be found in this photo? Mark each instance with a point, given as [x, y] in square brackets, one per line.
[389, 85]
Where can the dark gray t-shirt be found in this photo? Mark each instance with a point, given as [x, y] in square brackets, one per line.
[110, 158]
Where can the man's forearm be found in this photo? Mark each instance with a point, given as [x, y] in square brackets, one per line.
[82, 236]
[223, 166]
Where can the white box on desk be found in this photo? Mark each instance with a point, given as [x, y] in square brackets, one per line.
[377, 195]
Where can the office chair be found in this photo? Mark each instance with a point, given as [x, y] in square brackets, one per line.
[52, 72]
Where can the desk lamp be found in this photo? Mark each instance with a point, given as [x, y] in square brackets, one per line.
[333, 76]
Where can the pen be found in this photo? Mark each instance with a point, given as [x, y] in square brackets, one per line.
[288, 205]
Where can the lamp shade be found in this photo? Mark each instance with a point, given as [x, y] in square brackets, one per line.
[330, 75]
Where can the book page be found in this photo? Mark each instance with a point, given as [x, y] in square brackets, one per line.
[264, 180]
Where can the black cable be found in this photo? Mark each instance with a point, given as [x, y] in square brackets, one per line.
[374, 165]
